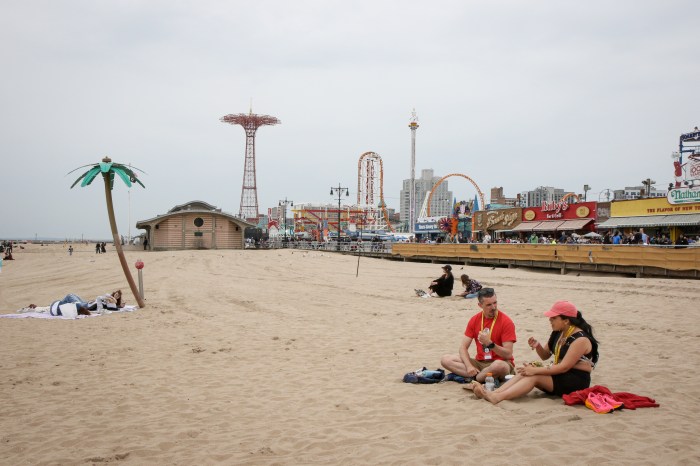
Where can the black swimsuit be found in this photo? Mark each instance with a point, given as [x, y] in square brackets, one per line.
[574, 379]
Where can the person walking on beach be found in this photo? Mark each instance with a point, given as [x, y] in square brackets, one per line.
[494, 333]
[70, 250]
[98, 248]
[575, 352]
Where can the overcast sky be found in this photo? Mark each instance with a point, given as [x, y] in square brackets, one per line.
[511, 93]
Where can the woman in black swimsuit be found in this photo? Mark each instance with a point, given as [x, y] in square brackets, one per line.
[575, 352]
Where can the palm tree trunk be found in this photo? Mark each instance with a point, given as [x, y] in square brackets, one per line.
[118, 243]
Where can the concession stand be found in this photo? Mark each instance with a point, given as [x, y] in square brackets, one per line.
[678, 213]
[560, 216]
[497, 222]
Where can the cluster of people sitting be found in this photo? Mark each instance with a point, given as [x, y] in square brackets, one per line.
[571, 344]
[442, 286]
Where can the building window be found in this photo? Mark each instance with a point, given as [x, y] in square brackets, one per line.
[198, 222]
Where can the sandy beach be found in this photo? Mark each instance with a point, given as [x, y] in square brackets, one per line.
[286, 357]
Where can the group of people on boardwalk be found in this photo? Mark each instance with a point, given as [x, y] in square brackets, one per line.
[487, 348]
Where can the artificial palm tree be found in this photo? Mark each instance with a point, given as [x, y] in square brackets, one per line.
[108, 170]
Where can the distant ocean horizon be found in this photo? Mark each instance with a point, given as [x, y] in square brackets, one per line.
[52, 239]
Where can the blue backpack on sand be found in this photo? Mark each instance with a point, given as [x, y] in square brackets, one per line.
[424, 376]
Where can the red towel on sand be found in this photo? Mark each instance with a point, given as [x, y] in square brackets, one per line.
[630, 400]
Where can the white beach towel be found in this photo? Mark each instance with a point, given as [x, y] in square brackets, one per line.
[42, 313]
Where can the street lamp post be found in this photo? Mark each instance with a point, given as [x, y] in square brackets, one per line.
[339, 190]
[285, 203]
[606, 191]
[586, 188]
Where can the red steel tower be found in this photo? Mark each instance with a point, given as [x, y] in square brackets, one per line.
[249, 192]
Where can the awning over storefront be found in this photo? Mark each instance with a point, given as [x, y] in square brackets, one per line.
[552, 225]
[575, 224]
[548, 225]
[652, 221]
[525, 226]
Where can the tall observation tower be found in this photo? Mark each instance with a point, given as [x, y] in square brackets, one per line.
[249, 191]
[412, 196]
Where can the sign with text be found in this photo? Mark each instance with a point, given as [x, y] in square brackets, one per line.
[560, 211]
[502, 219]
[653, 206]
[683, 196]
[427, 225]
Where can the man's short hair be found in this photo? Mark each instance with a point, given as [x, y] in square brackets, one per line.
[485, 293]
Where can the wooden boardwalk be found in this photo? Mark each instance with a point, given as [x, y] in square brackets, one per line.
[636, 260]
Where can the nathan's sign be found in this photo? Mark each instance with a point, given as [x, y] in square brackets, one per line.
[694, 136]
[683, 196]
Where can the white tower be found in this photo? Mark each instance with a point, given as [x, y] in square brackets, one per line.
[413, 125]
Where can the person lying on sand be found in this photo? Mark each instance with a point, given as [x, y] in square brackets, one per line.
[575, 353]
[111, 301]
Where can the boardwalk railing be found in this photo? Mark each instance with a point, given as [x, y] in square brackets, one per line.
[345, 246]
[635, 259]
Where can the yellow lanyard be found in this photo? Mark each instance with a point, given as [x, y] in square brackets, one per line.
[560, 342]
[492, 323]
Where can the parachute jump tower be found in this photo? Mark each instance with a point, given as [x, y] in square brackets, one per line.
[249, 191]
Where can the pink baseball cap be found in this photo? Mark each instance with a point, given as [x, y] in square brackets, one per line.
[562, 308]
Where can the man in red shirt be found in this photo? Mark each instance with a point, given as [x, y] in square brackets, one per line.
[494, 333]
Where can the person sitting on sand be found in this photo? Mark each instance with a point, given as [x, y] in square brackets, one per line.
[575, 353]
[8, 256]
[471, 287]
[495, 335]
[442, 286]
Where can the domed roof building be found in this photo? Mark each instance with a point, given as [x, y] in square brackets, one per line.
[194, 225]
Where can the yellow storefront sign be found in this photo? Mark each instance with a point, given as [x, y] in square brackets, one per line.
[655, 206]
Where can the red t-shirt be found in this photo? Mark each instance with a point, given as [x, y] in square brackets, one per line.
[503, 330]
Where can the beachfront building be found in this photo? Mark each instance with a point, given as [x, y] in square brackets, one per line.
[194, 225]
[440, 203]
[320, 220]
[678, 213]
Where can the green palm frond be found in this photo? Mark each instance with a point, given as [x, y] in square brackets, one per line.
[89, 176]
[108, 168]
